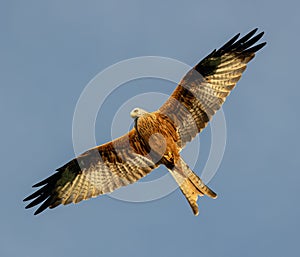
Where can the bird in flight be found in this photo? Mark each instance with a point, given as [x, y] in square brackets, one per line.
[157, 138]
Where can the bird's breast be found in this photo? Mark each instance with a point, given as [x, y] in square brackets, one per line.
[159, 134]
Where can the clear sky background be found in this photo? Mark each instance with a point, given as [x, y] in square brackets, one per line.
[50, 50]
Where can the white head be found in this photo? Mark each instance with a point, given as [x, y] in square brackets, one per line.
[137, 112]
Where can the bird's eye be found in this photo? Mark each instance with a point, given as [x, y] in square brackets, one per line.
[136, 110]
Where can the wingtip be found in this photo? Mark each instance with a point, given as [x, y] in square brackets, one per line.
[256, 48]
[240, 44]
[26, 199]
[252, 32]
[37, 212]
[236, 36]
[29, 205]
[259, 36]
[41, 183]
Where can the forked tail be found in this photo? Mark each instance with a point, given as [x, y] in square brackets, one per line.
[191, 185]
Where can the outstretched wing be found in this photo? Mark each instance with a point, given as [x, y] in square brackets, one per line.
[100, 170]
[204, 89]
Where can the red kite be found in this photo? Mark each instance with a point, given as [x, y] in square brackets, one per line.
[157, 137]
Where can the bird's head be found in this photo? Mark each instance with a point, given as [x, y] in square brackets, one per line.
[137, 112]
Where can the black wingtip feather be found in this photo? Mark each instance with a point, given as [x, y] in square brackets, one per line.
[47, 180]
[230, 42]
[249, 35]
[44, 206]
[38, 200]
[35, 194]
[45, 194]
[244, 38]
[243, 47]
[252, 41]
[256, 48]
[239, 46]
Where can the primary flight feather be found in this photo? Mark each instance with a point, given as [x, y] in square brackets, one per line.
[157, 137]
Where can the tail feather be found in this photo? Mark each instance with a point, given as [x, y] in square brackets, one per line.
[198, 183]
[191, 186]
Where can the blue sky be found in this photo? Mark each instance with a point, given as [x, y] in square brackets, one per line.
[50, 50]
